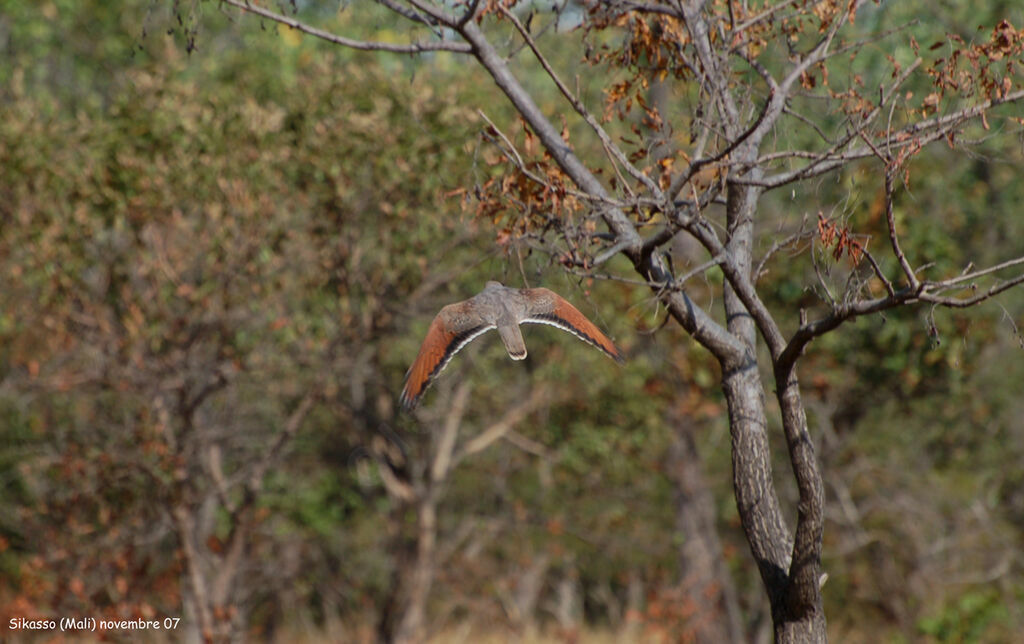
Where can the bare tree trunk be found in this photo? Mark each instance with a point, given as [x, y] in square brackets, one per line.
[419, 579]
[567, 605]
[209, 583]
[198, 618]
[792, 586]
[404, 615]
[402, 551]
[633, 622]
[526, 593]
[805, 614]
[703, 573]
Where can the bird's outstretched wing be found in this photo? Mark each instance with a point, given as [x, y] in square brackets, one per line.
[453, 328]
[547, 307]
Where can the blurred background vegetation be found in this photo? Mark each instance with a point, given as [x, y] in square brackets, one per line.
[191, 244]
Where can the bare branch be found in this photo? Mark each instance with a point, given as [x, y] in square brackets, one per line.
[216, 472]
[916, 291]
[960, 303]
[694, 319]
[364, 45]
[976, 274]
[608, 253]
[526, 444]
[955, 118]
[821, 280]
[291, 427]
[410, 14]
[890, 219]
[469, 13]
[840, 313]
[512, 154]
[878, 272]
[449, 433]
[780, 94]
[539, 397]
[764, 15]
[857, 131]
[185, 524]
[824, 162]
[580, 108]
[801, 234]
[647, 7]
[710, 72]
[616, 278]
[741, 283]
[437, 14]
[923, 292]
[677, 283]
[809, 123]
[695, 167]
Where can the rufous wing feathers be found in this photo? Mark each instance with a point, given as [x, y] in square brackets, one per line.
[555, 310]
[457, 324]
[442, 342]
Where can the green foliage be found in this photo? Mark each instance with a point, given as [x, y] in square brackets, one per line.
[262, 217]
[973, 617]
[179, 235]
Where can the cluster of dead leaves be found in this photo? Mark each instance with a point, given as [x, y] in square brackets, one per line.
[530, 195]
[841, 240]
[985, 70]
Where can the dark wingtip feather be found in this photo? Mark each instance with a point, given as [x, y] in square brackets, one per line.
[407, 402]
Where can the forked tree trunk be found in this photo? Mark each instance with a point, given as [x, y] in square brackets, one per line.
[792, 587]
[795, 602]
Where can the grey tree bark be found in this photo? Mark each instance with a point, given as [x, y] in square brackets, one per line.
[739, 117]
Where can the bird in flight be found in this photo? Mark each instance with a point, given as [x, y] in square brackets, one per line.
[496, 307]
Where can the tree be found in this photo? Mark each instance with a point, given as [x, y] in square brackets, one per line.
[174, 340]
[765, 96]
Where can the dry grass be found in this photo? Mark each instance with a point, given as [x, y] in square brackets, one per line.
[471, 633]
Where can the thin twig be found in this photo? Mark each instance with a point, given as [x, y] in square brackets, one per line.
[960, 303]
[680, 181]
[677, 283]
[800, 234]
[364, 45]
[539, 397]
[578, 105]
[890, 219]
[878, 272]
[976, 274]
[910, 135]
[512, 154]
[411, 14]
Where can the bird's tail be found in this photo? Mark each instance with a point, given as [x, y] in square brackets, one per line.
[512, 336]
